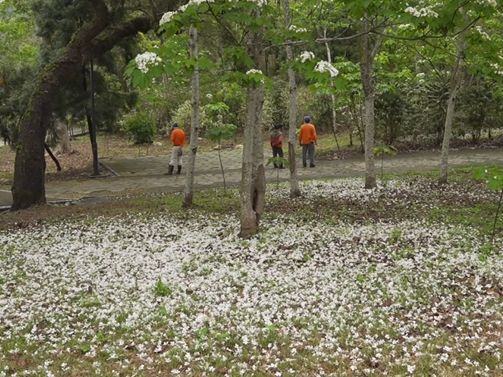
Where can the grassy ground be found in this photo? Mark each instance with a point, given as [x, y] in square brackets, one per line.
[450, 209]
[423, 246]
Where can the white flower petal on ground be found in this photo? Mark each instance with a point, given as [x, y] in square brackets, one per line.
[159, 287]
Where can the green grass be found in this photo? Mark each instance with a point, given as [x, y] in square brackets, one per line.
[327, 145]
[480, 216]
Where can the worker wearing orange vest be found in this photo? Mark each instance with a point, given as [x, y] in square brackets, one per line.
[307, 139]
[177, 137]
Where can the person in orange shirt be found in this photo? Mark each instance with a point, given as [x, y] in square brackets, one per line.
[177, 137]
[307, 139]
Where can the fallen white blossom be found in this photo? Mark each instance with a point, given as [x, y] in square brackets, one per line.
[187, 295]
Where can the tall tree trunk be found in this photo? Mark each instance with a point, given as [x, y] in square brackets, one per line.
[92, 124]
[90, 116]
[93, 39]
[451, 103]
[292, 113]
[356, 114]
[369, 50]
[332, 95]
[253, 172]
[252, 193]
[194, 123]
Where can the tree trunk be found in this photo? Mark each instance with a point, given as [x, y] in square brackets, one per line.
[65, 146]
[252, 193]
[253, 172]
[356, 115]
[194, 123]
[292, 114]
[332, 95]
[92, 39]
[451, 103]
[367, 73]
[92, 130]
[52, 156]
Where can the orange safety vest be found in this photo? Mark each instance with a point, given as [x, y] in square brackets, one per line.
[307, 134]
[178, 137]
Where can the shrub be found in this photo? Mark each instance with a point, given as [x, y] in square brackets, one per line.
[140, 127]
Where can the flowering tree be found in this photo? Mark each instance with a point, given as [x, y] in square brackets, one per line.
[457, 24]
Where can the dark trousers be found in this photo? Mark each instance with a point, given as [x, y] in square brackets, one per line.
[308, 154]
[277, 152]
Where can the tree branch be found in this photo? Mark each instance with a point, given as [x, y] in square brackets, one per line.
[115, 33]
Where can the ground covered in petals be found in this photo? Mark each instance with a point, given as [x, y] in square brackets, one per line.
[343, 281]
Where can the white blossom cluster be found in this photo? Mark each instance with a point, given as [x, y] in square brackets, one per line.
[427, 11]
[254, 71]
[306, 55]
[166, 17]
[183, 295]
[498, 69]
[492, 3]
[482, 32]
[146, 59]
[297, 29]
[324, 66]
[260, 3]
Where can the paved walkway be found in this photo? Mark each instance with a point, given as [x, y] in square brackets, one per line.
[146, 174]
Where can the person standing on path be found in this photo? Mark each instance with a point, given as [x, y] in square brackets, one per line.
[277, 145]
[308, 139]
[177, 137]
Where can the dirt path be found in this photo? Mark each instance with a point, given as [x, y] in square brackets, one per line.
[146, 174]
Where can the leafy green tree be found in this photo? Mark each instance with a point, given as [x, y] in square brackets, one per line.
[18, 59]
[99, 28]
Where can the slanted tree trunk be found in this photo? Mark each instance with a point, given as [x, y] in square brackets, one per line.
[52, 156]
[451, 103]
[95, 37]
[29, 172]
[252, 193]
[292, 113]
[194, 123]
[369, 51]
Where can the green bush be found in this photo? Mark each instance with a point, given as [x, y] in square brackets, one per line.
[140, 127]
